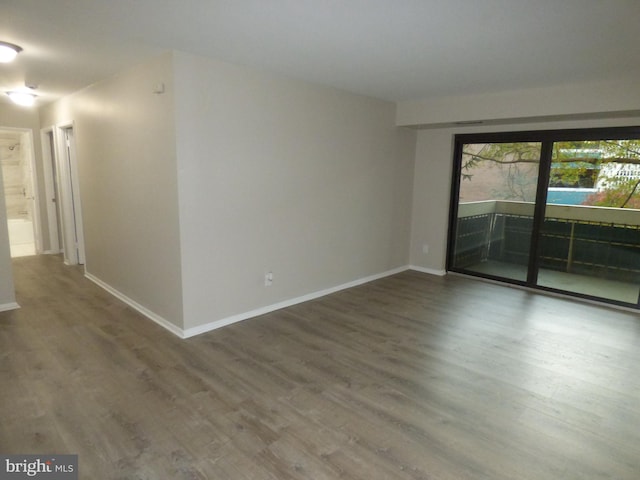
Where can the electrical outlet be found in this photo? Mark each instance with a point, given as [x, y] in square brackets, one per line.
[425, 248]
[268, 279]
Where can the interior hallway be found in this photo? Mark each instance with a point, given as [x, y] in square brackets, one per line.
[409, 377]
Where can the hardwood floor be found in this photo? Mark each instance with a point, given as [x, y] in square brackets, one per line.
[408, 377]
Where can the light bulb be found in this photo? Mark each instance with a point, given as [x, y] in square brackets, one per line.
[22, 98]
[8, 52]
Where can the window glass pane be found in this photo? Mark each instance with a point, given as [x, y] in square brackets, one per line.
[495, 208]
[590, 237]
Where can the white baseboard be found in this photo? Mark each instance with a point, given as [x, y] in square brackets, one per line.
[5, 307]
[163, 322]
[190, 332]
[430, 271]
[207, 327]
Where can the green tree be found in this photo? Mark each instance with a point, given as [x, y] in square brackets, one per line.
[574, 164]
[624, 195]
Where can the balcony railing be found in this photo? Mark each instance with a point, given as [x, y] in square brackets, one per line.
[594, 241]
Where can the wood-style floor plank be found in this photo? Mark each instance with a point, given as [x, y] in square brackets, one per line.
[408, 377]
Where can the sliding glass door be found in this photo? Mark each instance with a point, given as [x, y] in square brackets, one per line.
[590, 237]
[495, 208]
[555, 210]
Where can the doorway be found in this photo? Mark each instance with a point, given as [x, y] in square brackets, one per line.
[551, 210]
[52, 190]
[20, 190]
[72, 211]
[62, 188]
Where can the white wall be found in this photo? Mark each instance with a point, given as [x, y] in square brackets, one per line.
[125, 139]
[432, 182]
[280, 175]
[586, 100]
[189, 197]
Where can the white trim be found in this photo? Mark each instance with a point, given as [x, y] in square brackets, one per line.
[27, 137]
[47, 142]
[190, 332]
[64, 202]
[5, 307]
[69, 194]
[74, 177]
[430, 271]
[163, 322]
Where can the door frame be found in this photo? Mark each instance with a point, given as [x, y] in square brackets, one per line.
[48, 141]
[26, 136]
[546, 138]
[68, 203]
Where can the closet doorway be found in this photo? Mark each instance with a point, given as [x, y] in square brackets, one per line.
[62, 189]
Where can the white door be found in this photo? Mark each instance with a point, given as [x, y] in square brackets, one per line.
[73, 239]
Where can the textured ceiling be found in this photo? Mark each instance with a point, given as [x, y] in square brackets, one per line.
[390, 49]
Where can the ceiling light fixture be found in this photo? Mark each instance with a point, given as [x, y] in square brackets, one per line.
[22, 98]
[8, 52]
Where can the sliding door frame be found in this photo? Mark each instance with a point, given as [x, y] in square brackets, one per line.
[547, 138]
